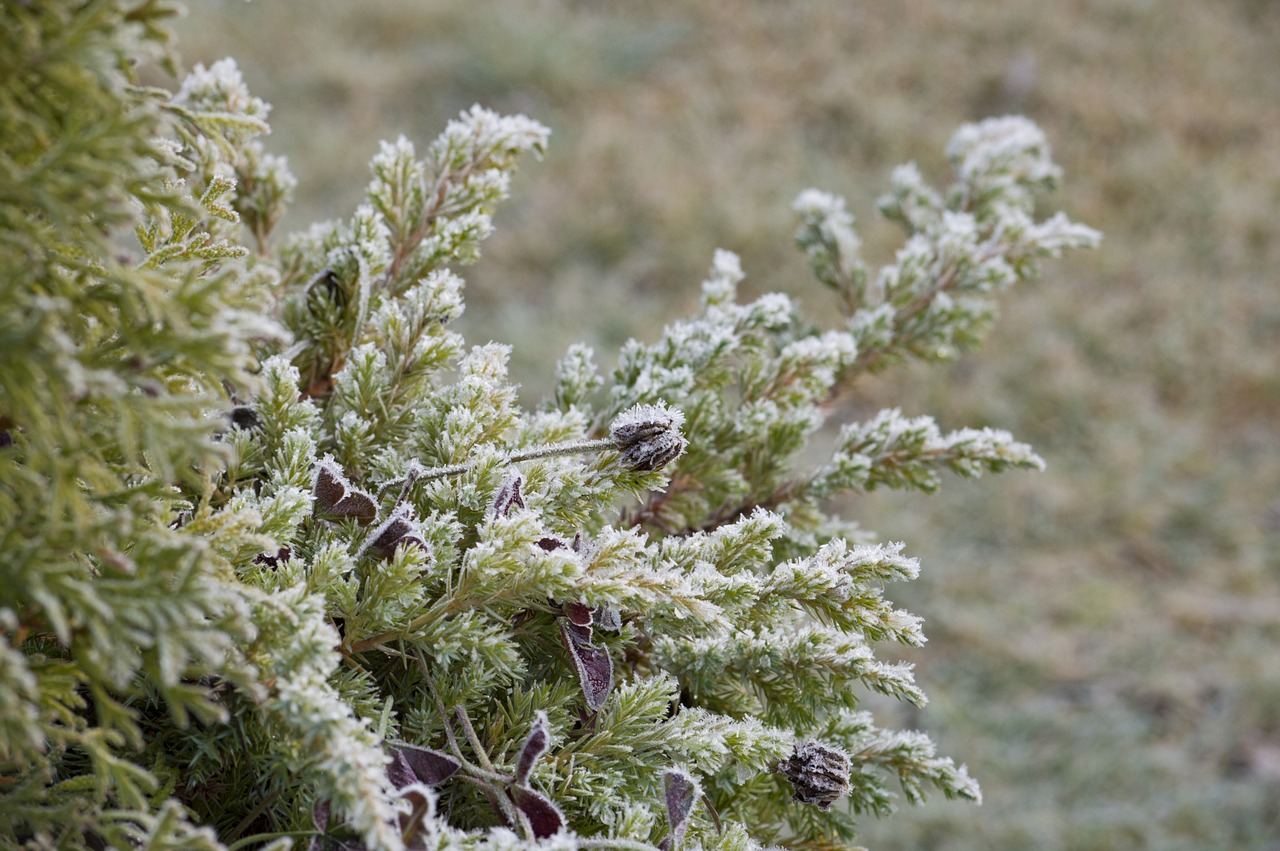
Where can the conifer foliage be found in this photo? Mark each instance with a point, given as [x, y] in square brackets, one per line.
[286, 561]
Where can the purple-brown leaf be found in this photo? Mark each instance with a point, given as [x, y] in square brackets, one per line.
[335, 497]
[398, 529]
[680, 792]
[421, 806]
[428, 766]
[398, 770]
[508, 497]
[594, 667]
[544, 817]
[534, 747]
[320, 814]
[578, 615]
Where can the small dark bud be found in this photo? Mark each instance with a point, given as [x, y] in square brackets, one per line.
[282, 556]
[6, 438]
[245, 418]
[819, 773]
[648, 436]
[550, 544]
[326, 284]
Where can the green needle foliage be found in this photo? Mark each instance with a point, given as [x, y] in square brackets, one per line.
[285, 561]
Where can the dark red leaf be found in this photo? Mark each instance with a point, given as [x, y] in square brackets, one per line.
[579, 615]
[330, 485]
[579, 635]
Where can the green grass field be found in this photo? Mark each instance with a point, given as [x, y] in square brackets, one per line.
[1105, 649]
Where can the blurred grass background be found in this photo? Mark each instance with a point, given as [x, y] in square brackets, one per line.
[1105, 636]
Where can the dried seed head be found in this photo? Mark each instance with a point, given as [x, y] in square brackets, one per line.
[819, 773]
[648, 436]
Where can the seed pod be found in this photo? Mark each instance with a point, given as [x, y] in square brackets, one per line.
[819, 773]
[648, 436]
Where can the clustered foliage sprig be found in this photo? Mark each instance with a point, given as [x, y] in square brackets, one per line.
[286, 560]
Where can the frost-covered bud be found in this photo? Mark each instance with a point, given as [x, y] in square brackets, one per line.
[648, 436]
[819, 773]
[220, 88]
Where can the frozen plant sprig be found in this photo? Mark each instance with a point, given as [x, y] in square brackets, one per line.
[646, 438]
[355, 589]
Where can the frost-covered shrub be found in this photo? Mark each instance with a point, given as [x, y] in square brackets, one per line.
[284, 559]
